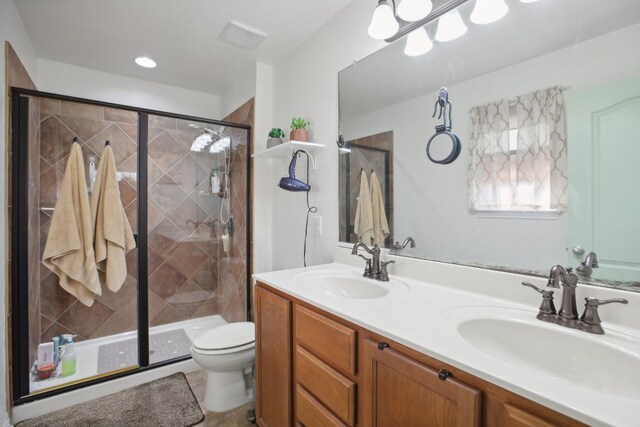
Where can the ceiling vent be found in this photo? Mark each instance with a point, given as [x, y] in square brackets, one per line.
[242, 35]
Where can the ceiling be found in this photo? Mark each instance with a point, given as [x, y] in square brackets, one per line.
[181, 36]
[528, 30]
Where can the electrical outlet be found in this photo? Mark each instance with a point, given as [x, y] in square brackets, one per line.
[317, 224]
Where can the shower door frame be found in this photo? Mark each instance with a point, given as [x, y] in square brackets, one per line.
[19, 328]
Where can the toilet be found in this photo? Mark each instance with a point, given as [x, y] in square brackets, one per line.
[227, 353]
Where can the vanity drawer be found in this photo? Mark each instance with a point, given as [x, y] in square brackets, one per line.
[311, 413]
[330, 387]
[332, 342]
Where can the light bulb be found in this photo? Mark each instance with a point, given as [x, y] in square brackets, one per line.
[488, 11]
[225, 142]
[383, 24]
[418, 43]
[450, 26]
[414, 10]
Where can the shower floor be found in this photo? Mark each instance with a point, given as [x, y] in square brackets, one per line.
[102, 355]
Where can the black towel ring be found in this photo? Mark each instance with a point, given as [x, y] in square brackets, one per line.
[444, 112]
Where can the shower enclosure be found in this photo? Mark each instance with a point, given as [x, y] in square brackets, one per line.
[183, 183]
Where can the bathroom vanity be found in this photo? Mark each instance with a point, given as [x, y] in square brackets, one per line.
[438, 344]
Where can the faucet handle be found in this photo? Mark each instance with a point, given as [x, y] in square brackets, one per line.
[384, 274]
[590, 319]
[543, 292]
[547, 310]
[367, 267]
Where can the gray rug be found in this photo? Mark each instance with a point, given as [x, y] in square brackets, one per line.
[166, 402]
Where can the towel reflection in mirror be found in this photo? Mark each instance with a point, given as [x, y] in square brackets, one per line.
[371, 225]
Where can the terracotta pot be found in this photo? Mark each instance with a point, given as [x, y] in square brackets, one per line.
[299, 135]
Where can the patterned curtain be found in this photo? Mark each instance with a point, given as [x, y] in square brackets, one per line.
[542, 150]
[489, 174]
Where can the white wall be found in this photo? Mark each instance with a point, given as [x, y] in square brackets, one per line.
[262, 172]
[82, 82]
[12, 30]
[431, 204]
[306, 85]
[240, 91]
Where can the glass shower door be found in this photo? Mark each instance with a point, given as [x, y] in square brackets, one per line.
[104, 334]
[189, 219]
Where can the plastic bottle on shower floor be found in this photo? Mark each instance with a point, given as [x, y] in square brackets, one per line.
[69, 357]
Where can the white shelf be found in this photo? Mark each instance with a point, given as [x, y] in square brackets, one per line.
[286, 149]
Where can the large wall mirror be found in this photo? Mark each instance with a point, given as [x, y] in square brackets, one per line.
[546, 102]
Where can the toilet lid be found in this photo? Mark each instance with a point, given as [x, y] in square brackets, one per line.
[227, 336]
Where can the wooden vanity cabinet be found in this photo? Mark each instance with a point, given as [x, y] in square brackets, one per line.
[397, 390]
[273, 359]
[317, 369]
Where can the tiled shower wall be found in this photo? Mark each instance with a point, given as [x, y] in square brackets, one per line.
[184, 233]
[235, 266]
[60, 122]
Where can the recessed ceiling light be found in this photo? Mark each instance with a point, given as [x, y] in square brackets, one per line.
[145, 62]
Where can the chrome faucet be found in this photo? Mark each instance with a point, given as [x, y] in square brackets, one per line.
[373, 265]
[587, 265]
[408, 240]
[568, 314]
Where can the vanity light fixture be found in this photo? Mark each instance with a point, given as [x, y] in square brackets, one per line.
[383, 23]
[146, 62]
[488, 11]
[418, 43]
[450, 26]
[414, 10]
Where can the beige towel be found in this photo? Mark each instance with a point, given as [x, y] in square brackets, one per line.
[113, 237]
[364, 218]
[380, 224]
[69, 250]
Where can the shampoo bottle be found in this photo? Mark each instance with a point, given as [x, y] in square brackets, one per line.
[69, 357]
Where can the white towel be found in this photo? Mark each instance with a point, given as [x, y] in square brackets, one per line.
[113, 237]
[363, 222]
[380, 224]
[69, 248]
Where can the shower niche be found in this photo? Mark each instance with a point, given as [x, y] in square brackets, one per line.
[183, 184]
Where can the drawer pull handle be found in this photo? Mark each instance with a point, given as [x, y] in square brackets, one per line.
[443, 374]
[382, 345]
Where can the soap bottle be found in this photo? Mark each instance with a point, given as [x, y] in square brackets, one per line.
[69, 356]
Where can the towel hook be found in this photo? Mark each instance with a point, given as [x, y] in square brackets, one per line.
[75, 139]
[107, 143]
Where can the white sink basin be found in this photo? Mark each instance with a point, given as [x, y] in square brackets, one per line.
[345, 284]
[584, 360]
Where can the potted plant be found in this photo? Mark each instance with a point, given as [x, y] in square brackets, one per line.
[275, 137]
[299, 130]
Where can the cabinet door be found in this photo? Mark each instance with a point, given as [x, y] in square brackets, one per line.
[273, 359]
[400, 391]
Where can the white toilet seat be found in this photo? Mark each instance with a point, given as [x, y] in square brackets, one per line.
[222, 351]
[226, 339]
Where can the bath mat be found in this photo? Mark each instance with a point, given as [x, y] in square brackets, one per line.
[164, 402]
[162, 346]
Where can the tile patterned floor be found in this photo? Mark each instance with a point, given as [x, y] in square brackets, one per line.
[235, 418]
